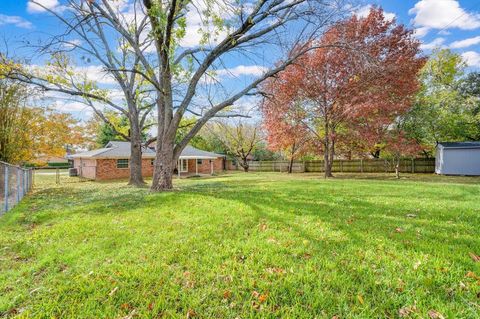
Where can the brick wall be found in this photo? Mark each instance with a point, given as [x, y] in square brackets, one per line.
[204, 167]
[102, 169]
[107, 169]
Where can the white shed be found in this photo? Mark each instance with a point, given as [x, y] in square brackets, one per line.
[458, 158]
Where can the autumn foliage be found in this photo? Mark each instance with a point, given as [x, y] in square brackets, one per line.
[348, 90]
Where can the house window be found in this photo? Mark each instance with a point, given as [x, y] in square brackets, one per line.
[152, 162]
[199, 161]
[122, 163]
[183, 165]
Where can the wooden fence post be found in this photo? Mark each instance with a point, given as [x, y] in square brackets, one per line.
[361, 165]
[18, 186]
[6, 188]
[413, 165]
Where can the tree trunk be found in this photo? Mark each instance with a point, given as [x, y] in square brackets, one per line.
[326, 152]
[163, 170]
[376, 153]
[244, 164]
[397, 167]
[136, 178]
[290, 166]
[331, 155]
[327, 165]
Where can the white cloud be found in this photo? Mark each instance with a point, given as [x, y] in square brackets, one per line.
[438, 42]
[70, 44]
[472, 58]
[69, 106]
[248, 70]
[465, 43]
[95, 73]
[16, 21]
[421, 32]
[365, 10]
[44, 4]
[443, 14]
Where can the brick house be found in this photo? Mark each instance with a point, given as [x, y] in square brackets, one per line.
[112, 162]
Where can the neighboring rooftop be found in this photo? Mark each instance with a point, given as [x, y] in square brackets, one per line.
[115, 149]
[460, 144]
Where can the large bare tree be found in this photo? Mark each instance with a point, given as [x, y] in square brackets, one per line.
[86, 38]
[184, 76]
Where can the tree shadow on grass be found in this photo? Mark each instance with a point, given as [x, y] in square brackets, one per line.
[355, 223]
[355, 217]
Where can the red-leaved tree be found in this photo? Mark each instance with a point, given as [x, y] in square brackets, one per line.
[361, 83]
[286, 132]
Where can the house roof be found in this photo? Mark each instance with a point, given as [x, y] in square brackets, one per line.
[460, 144]
[192, 152]
[115, 149]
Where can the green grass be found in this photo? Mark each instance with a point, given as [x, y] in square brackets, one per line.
[251, 245]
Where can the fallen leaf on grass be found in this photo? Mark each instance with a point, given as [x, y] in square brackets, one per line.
[406, 311]
[475, 257]
[399, 230]
[272, 240]
[35, 290]
[114, 290]
[227, 294]
[275, 270]
[191, 313]
[307, 256]
[472, 275]
[131, 314]
[262, 298]
[360, 299]
[262, 227]
[125, 306]
[433, 314]
[411, 215]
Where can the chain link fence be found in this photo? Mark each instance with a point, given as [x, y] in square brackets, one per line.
[15, 183]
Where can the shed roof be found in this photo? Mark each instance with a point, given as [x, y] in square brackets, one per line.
[115, 149]
[460, 144]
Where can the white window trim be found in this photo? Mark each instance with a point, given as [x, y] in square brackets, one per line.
[181, 166]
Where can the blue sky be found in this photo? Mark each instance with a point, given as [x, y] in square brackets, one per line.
[451, 24]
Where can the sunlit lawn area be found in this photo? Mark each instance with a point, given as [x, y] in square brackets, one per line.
[264, 245]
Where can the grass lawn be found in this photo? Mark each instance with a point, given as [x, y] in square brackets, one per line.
[264, 245]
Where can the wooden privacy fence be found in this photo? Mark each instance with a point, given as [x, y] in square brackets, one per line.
[417, 165]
